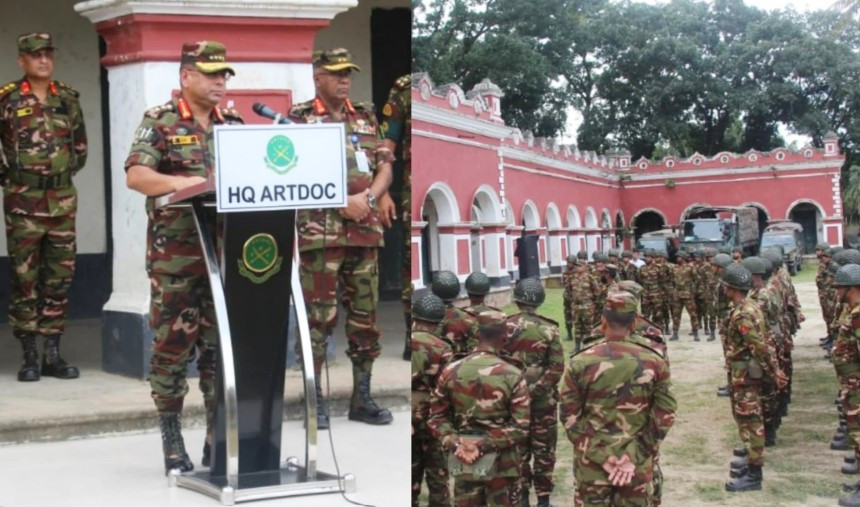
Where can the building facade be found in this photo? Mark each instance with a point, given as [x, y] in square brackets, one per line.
[486, 195]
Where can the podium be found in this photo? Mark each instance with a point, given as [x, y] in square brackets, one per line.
[252, 265]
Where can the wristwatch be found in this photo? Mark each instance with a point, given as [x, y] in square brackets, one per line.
[371, 200]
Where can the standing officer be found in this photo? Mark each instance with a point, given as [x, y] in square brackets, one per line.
[429, 355]
[340, 248]
[583, 292]
[652, 297]
[44, 144]
[616, 407]
[458, 328]
[847, 362]
[477, 287]
[396, 127]
[684, 283]
[534, 341]
[479, 411]
[171, 152]
[566, 282]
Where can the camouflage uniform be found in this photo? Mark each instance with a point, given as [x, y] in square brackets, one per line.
[652, 296]
[483, 394]
[182, 315]
[708, 282]
[610, 407]
[567, 277]
[769, 308]
[534, 341]
[684, 277]
[429, 355]
[583, 292]
[337, 251]
[846, 360]
[44, 144]
[397, 126]
[459, 329]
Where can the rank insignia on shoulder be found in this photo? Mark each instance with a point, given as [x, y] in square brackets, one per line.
[24, 111]
[182, 140]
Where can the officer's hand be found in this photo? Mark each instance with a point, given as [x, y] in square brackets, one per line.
[183, 182]
[356, 207]
[781, 380]
[387, 210]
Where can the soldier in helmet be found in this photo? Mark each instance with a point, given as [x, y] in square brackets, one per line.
[533, 340]
[719, 263]
[614, 450]
[652, 297]
[666, 282]
[684, 289]
[429, 355]
[737, 254]
[479, 411]
[566, 282]
[477, 288]
[584, 290]
[607, 275]
[628, 270]
[846, 360]
[748, 361]
[458, 327]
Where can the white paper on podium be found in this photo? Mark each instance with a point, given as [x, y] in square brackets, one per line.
[276, 167]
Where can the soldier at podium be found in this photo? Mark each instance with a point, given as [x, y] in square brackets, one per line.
[339, 247]
[170, 152]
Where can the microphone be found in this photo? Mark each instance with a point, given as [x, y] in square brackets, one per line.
[267, 112]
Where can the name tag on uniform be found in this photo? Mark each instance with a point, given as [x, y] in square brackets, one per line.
[181, 140]
[24, 111]
[363, 127]
[361, 160]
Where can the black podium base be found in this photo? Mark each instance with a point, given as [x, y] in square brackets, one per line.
[290, 480]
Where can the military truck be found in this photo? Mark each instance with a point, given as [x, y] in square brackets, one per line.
[664, 240]
[788, 235]
[721, 226]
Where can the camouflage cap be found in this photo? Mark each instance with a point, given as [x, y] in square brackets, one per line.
[621, 303]
[207, 56]
[32, 42]
[492, 324]
[631, 287]
[334, 60]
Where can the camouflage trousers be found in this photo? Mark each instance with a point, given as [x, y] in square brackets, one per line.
[849, 398]
[652, 308]
[568, 312]
[429, 462]
[678, 305]
[42, 265]
[543, 436]
[496, 492]
[747, 411]
[638, 493]
[582, 323]
[406, 265]
[355, 270]
[182, 318]
[657, 494]
[770, 397]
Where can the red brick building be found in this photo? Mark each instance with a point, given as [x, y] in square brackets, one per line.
[480, 188]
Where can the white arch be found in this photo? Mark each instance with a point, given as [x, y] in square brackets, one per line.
[573, 220]
[445, 202]
[553, 217]
[509, 212]
[590, 218]
[488, 201]
[530, 216]
[623, 219]
[687, 210]
[807, 201]
[606, 219]
[646, 210]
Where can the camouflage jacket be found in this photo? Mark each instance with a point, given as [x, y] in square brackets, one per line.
[459, 329]
[707, 280]
[821, 279]
[397, 116]
[483, 394]
[651, 276]
[41, 142]
[170, 141]
[769, 308]
[474, 312]
[534, 340]
[616, 398]
[685, 281]
[567, 277]
[324, 228]
[584, 290]
[846, 347]
[745, 341]
[429, 355]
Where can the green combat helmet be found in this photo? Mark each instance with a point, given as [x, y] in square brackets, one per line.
[722, 260]
[822, 246]
[754, 265]
[833, 250]
[429, 308]
[626, 254]
[477, 284]
[598, 257]
[613, 253]
[446, 286]
[833, 268]
[572, 260]
[737, 277]
[582, 255]
[774, 258]
[768, 267]
[850, 256]
[848, 276]
[529, 291]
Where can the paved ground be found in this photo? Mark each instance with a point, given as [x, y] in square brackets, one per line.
[99, 403]
[127, 470]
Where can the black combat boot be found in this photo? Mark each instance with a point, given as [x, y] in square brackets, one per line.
[852, 500]
[749, 481]
[850, 468]
[712, 336]
[674, 336]
[52, 364]
[740, 452]
[524, 498]
[322, 410]
[362, 407]
[738, 467]
[173, 445]
[769, 434]
[29, 371]
[569, 329]
[840, 444]
[543, 501]
[723, 392]
[407, 342]
[849, 459]
[848, 487]
[695, 335]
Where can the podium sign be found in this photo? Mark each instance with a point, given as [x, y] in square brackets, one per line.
[278, 167]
